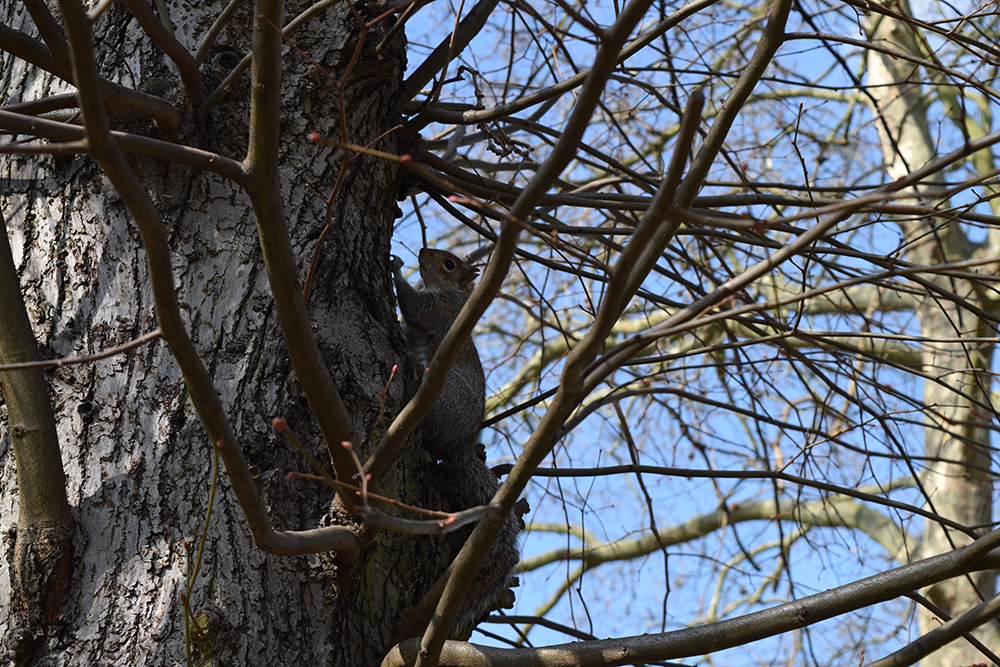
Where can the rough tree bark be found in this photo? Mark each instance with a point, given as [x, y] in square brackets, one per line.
[137, 459]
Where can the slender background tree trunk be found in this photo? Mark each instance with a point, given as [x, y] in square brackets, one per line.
[956, 475]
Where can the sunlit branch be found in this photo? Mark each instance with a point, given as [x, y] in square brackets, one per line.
[952, 35]
[872, 496]
[767, 581]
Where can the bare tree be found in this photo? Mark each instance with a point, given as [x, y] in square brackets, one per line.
[737, 322]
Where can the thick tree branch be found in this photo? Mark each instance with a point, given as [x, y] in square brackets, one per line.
[42, 550]
[729, 633]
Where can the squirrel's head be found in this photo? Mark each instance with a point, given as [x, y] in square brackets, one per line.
[440, 268]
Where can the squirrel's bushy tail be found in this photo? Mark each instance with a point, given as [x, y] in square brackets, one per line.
[476, 485]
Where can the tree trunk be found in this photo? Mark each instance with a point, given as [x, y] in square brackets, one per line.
[138, 462]
[956, 476]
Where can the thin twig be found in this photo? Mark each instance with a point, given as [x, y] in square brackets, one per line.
[72, 361]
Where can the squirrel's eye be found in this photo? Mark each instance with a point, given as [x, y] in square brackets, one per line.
[449, 264]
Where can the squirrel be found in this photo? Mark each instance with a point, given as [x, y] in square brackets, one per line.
[452, 426]
[457, 416]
